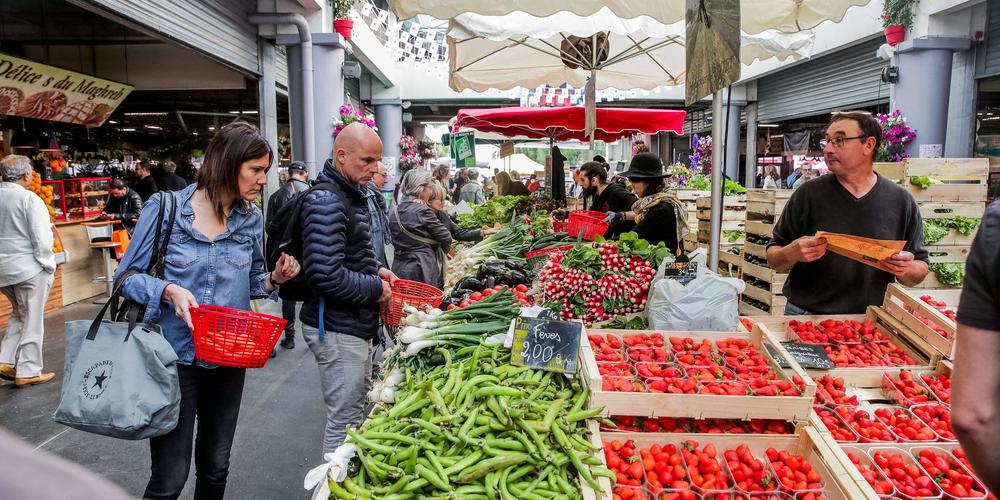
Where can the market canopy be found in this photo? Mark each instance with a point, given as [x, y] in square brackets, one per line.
[566, 123]
[520, 50]
[517, 162]
[788, 16]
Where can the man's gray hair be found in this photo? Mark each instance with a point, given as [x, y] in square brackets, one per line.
[473, 174]
[169, 167]
[414, 182]
[14, 167]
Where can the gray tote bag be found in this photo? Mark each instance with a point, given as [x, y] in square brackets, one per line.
[121, 376]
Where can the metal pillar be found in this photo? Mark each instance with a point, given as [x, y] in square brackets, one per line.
[267, 112]
[924, 86]
[718, 164]
[751, 171]
[389, 118]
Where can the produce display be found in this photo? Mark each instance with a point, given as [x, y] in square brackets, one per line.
[948, 273]
[873, 475]
[496, 210]
[904, 473]
[626, 423]
[598, 281]
[949, 474]
[935, 229]
[473, 427]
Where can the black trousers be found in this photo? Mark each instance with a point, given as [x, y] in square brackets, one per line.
[288, 313]
[213, 395]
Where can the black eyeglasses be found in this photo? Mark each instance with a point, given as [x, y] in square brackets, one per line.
[839, 141]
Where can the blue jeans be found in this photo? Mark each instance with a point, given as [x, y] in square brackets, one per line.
[794, 310]
[214, 395]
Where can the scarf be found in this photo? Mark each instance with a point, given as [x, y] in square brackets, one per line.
[644, 205]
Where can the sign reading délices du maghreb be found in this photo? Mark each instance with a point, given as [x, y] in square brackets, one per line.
[43, 92]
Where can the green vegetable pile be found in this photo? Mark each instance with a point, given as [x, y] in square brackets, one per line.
[496, 210]
[702, 183]
[476, 427]
[950, 273]
[623, 323]
[734, 235]
[924, 182]
[935, 229]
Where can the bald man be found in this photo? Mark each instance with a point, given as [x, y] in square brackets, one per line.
[349, 286]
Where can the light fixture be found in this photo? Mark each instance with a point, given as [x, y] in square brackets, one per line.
[146, 113]
[154, 127]
[211, 128]
[113, 122]
[128, 129]
[249, 112]
[767, 125]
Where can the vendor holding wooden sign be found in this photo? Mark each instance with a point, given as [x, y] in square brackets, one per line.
[853, 201]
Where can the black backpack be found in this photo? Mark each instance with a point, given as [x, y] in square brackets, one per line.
[284, 235]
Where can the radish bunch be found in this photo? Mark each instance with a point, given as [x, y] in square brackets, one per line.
[596, 283]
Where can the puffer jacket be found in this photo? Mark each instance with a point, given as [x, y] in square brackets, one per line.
[339, 263]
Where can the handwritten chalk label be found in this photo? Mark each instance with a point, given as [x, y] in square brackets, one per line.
[546, 344]
[807, 355]
[683, 272]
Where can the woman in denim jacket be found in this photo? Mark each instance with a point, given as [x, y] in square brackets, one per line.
[214, 257]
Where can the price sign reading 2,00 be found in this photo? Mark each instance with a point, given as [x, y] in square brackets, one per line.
[537, 351]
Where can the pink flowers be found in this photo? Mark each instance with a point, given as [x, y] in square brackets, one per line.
[349, 115]
[895, 136]
[410, 157]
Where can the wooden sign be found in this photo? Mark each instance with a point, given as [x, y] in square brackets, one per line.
[807, 355]
[33, 90]
[506, 149]
[546, 344]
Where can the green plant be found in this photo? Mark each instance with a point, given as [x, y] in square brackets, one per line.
[951, 274]
[898, 13]
[341, 8]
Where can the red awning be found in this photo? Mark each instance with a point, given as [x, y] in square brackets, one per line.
[564, 123]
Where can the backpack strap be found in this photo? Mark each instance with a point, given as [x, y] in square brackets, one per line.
[349, 227]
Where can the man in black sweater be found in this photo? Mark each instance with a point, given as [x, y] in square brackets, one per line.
[145, 185]
[853, 200]
[170, 180]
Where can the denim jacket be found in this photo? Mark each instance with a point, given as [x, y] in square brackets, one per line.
[227, 271]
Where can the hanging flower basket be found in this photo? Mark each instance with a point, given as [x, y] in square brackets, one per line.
[895, 34]
[344, 26]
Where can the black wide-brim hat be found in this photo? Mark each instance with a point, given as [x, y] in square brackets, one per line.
[644, 166]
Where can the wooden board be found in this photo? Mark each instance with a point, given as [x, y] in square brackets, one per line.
[791, 408]
[768, 195]
[901, 303]
[932, 210]
[689, 194]
[767, 209]
[705, 214]
[925, 356]
[759, 228]
[808, 442]
[54, 302]
[764, 273]
[949, 192]
[85, 264]
[943, 169]
[705, 226]
[750, 310]
[755, 250]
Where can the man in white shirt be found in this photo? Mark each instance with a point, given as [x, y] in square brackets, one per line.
[26, 272]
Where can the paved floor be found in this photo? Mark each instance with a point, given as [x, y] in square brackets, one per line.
[278, 440]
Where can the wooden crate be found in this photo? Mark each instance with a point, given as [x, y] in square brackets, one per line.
[807, 441]
[946, 254]
[931, 282]
[904, 304]
[700, 406]
[690, 195]
[54, 302]
[769, 297]
[755, 250]
[925, 356]
[767, 202]
[752, 311]
[931, 210]
[758, 227]
[733, 208]
[764, 273]
[589, 493]
[965, 179]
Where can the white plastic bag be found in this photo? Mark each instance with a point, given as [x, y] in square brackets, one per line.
[707, 303]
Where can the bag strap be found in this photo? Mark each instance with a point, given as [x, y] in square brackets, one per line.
[439, 252]
[157, 261]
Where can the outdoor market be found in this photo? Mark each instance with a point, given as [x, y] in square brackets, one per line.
[495, 250]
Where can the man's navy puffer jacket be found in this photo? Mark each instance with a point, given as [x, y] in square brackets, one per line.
[338, 265]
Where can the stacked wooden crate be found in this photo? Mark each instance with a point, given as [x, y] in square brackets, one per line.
[689, 197]
[763, 295]
[962, 192]
[734, 213]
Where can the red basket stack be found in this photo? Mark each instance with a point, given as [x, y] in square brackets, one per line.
[534, 256]
[234, 337]
[410, 293]
[588, 224]
[560, 226]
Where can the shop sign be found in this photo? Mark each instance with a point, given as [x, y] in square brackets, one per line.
[463, 149]
[506, 149]
[546, 344]
[32, 90]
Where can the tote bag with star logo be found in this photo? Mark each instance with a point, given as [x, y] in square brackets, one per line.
[121, 376]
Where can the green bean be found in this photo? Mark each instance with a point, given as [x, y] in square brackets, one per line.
[431, 477]
[486, 466]
[464, 463]
[497, 390]
[550, 415]
[584, 414]
[437, 466]
[580, 467]
[356, 489]
[581, 398]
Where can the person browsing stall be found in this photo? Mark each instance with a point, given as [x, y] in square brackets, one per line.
[659, 216]
[606, 197]
[421, 241]
[854, 200]
[438, 197]
[145, 185]
[124, 205]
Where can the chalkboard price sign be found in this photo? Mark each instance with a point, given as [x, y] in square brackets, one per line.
[683, 272]
[807, 355]
[546, 344]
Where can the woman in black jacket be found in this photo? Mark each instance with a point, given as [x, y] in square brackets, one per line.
[659, 215]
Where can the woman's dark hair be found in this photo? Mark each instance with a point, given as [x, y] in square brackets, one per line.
[654, 186]
[594, 169]
[233, 145]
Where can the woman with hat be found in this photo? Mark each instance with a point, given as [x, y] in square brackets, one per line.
[659, 215]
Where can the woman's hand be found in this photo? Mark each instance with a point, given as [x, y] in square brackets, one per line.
[182, 300]
[285, 269]
[490, 231]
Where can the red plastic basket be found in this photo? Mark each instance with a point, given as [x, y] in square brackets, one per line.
[588, 223]
[560, 226]
[544, 253]
[410, 293]
[234, 337]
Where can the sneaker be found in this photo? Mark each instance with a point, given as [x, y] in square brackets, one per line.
[7, 372]
[44, 377]
[288, 343]
[274, 353]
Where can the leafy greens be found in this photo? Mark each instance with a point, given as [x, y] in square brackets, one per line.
[950, 273]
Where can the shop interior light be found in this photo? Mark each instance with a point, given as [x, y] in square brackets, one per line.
[767, 125]
[146, 113]
[154, 127]
[249, 112]
[211, 128]
[113, 122]
[128, 129]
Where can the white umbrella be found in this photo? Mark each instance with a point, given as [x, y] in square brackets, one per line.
[518, 162]
[520, 50]
[757, 15]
